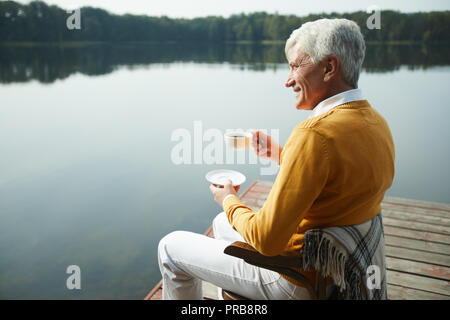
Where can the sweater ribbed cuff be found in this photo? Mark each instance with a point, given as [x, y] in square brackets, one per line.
[227, 196]
[230, 200]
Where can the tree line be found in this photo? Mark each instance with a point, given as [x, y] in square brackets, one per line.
[39, 22]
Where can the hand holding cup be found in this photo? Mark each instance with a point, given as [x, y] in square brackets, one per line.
[265, 147]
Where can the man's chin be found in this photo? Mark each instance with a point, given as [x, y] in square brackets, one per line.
[301, 105]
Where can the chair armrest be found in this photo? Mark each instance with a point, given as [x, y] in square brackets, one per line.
[280, 264]
[248, 253]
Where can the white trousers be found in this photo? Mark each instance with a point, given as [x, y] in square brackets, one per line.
[186, 258]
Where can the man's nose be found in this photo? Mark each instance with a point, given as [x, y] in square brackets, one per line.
[289, 83]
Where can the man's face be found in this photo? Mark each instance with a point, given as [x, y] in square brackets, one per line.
[306, 79]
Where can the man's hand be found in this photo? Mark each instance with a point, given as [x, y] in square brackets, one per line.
[265, 147]
[220, 192]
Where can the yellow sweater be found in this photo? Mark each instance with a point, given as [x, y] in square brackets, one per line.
[334, 170]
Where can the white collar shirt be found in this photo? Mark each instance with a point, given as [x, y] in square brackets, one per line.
[336, 100]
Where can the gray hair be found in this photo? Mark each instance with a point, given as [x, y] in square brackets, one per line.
[339, 37]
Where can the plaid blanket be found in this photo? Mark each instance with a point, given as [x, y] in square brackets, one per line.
[354, 256]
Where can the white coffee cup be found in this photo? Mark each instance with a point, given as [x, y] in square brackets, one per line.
[238, 139]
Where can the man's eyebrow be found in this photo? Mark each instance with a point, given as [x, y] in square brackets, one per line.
[301, 60]
[297, 61]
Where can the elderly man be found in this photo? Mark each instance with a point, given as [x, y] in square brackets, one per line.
[334, 171]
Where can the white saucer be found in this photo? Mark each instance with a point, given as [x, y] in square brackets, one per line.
[219, 177]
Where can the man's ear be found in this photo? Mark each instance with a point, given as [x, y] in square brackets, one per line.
[331, 67]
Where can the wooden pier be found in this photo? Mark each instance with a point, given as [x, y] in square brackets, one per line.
[417, 235]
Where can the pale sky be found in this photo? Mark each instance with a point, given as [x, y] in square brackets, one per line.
[201, 8]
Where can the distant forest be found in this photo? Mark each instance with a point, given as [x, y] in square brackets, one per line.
[39, 22]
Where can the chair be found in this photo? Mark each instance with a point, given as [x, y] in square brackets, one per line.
[280, 264]
[333, 251]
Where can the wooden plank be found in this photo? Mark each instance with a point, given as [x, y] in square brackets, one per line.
[402, 293]
[256, 195]
[418, 282]
[210, 291]
[155, 293]
[261, 189]
[209, 232]
[264, 183]
[243, 194]
[419, 268]
[253, 203]
[422, 245]
[416, 234]
[416, 226]
[418, 203]
[399, 215]
[419, 256]
[422, 211]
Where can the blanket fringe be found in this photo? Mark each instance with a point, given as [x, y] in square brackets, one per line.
[320, 254]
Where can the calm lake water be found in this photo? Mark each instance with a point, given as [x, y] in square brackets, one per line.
[87, 175]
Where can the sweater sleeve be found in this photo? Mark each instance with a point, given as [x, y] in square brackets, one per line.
[304, 167]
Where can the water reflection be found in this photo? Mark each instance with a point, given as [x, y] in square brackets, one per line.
[47, 63]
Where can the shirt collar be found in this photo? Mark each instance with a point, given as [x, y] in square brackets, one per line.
[336, 100]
